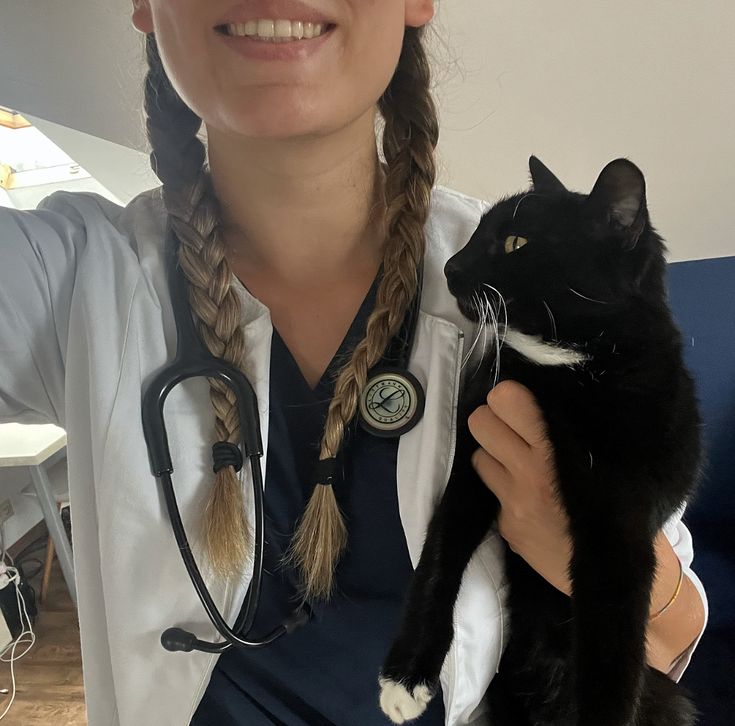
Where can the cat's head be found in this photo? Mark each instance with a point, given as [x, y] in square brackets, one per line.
[550, 249]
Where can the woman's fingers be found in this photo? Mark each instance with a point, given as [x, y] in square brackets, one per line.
[497, 438]
[492, 472]
[517, 407]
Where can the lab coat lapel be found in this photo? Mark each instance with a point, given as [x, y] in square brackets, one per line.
[425, 458]
[425, 453]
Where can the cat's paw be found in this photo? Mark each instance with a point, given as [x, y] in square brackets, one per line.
[398, 704]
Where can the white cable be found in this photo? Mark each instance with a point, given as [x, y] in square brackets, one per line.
[14, 577]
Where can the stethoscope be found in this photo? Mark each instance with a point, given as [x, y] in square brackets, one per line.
[392, 403]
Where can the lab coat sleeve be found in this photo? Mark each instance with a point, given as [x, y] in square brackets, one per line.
[681, 540]
[39, 252]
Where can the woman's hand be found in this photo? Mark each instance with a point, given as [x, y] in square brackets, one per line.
[516, 463]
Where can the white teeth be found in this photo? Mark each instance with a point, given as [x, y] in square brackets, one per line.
[276, 30]
[266, 29]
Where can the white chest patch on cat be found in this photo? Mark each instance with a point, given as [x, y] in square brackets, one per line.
[540, 352]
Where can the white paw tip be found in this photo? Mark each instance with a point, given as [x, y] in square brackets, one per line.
[398, 704]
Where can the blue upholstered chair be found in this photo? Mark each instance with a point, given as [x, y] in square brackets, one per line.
[702, 295]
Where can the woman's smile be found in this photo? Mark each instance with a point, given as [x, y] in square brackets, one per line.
[276, 40]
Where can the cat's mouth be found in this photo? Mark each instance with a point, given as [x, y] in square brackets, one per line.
[484, 308]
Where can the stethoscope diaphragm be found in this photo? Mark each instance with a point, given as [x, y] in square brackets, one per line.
[391, 403]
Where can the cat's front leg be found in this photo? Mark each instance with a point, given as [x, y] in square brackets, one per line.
[612, 572]
[410, 674]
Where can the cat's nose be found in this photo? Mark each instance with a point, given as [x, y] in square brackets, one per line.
[453, 273]
[451, 270]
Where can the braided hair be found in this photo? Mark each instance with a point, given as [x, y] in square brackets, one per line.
[178, 158]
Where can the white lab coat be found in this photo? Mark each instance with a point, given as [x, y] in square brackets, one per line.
[85, 320]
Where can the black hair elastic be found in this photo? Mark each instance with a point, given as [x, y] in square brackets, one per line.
[224, 454]
[325, 471]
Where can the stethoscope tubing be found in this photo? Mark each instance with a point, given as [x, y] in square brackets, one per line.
[193, 360]
[252, 597]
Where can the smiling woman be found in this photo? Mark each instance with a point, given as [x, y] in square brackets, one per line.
[279, 115]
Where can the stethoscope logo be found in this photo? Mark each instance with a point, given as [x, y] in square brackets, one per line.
[389, 403]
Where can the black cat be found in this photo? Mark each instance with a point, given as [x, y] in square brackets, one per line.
[590, 334]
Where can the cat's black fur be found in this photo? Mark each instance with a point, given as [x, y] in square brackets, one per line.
[624, 426]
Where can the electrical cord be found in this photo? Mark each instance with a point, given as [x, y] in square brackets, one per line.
[13, 574]
[14, 577]
[10, 574]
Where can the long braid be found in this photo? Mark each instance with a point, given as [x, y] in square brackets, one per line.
[179, 160]
[410, 137]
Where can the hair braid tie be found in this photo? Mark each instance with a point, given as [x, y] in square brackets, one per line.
[226, 454]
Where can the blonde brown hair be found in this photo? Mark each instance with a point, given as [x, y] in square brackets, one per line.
[178, 158]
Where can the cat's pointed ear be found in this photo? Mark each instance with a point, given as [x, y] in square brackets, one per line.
[618, 201]
[543, 180]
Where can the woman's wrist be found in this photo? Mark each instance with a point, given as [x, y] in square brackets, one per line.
[667, 581]
[674, 622]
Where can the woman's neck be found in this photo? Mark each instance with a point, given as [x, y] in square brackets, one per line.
[301, 209]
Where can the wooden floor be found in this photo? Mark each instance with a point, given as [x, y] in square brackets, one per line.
[49, 689]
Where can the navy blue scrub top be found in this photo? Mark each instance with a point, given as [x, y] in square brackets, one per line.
[326, 672]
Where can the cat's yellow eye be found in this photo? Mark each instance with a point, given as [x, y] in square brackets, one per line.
[513, 243]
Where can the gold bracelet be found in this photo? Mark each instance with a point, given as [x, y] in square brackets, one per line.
[674, 596]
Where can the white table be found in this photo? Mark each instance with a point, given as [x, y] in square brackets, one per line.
[36, 447]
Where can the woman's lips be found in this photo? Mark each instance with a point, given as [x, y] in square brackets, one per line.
[260, 49]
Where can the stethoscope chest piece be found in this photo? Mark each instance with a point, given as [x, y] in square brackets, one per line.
[391, 403]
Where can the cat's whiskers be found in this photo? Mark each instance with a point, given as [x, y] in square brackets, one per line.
[500, 327]
[501, 305]
[553, 322]
[488, 315]
[476, 307]
[496, 360]
[602, 302]
[493, 320]
[483, 318]
[529, 194]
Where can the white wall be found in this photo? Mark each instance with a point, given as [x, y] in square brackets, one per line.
[75, 62]
[581, 83]
[576, 83]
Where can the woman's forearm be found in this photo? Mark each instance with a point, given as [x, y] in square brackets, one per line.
[671, 633]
